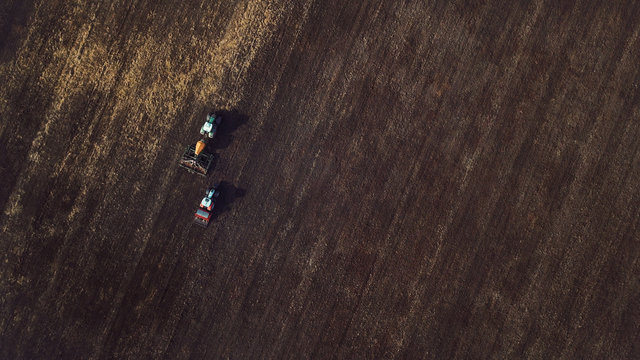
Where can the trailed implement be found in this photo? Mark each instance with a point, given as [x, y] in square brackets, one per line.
[197, 159]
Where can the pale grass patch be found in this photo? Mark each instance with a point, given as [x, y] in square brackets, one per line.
[15, 207]
[153, 86]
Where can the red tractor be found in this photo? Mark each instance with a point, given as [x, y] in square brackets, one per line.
[204, 212]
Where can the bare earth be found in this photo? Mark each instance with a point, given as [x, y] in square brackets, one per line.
[457, 179]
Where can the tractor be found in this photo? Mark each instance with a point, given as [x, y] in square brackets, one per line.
[210, 126]
[204, 212]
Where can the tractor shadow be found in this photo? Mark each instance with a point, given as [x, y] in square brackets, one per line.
[228, 194]
[231, 121]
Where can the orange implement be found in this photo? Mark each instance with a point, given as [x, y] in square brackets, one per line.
[199, 147]
[196, 159]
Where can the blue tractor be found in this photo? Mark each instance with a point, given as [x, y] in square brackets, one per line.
[210, 127]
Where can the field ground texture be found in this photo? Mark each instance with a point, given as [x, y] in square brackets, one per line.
[401, 179]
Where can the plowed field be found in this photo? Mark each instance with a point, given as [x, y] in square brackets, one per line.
[400, 179]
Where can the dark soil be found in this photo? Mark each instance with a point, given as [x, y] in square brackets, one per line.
[458, 179]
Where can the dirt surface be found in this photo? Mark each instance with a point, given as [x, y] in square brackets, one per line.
[458, 179]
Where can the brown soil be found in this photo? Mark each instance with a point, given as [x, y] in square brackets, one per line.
[457, 179]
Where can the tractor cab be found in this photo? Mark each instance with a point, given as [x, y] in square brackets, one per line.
[206, 203]
[210, 126]
[209, 199]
